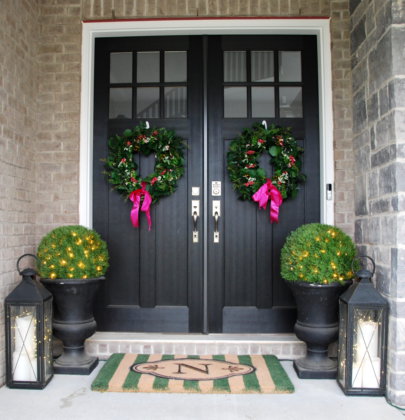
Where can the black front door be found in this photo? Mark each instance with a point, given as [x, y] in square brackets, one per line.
[207, 89]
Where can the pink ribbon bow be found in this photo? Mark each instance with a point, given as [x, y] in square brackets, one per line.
[269, 192]
[135, 197]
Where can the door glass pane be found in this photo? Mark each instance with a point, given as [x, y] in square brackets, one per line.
[263, 102]
[121, 67]
[147, 102]
[262, 66]
[147, 67]
[290, 66]
[175, 66]
[235, 103]
[120, 103]
[290, 102]
[176, 102]
[235, 66]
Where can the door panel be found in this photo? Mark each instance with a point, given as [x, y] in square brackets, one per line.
[160, 280]
[245, 290]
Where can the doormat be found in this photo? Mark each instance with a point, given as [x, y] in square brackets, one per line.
[200, 374]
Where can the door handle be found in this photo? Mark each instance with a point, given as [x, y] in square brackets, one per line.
[216, 212]
[195, 213]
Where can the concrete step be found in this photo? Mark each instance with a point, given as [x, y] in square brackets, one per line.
[284, 346]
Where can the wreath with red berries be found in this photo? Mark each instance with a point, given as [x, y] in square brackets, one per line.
[122, 170]
[285, 157]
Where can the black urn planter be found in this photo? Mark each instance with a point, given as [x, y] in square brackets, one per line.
[317, 325]
[73, 322]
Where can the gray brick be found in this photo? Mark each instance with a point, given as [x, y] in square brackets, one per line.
[397, 92]
[387, 180]
[362, 158]
[380, 63]
[359, 111]
[396, 361]
[384, 100]
[359, 229]
[373, 108]
[396, 380]
[400, 176]
[385, 132]
[388, 230]
[383, 156]
[360, 198]
[380, 206]
[396, 398]
[383, 18]
[398, 46]
[358, 34]
[353, 5]
[382, 279]
[399, 123]
[398, 11]
[361, 140]
[358, 75]
[373, 138]
[396, 333]
[397, 272]
[373, 232]
[400, 150]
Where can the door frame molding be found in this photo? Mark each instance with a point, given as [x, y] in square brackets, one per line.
[210, 26]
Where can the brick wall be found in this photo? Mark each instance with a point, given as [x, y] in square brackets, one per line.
[59, 55]
[18, 129]
[378, 56]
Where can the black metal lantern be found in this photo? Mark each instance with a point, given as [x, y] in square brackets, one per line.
[28, 310]
[362, 337]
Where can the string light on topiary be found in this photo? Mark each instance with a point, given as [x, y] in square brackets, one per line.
[322, 246]
[78, 255]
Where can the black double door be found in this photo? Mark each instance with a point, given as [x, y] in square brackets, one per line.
[207, 89]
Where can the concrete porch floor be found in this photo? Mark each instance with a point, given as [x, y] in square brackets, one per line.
[70, 397]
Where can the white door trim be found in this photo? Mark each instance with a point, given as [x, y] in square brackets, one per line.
[220, 26]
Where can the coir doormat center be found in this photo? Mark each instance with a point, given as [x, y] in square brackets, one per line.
[205, 374]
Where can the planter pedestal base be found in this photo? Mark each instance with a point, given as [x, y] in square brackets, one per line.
[75, 363]
[307, 368]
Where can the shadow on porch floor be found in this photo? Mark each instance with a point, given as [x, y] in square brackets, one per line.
[70, 397]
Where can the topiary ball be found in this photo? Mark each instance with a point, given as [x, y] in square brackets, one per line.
[318, 253]
[72, 252]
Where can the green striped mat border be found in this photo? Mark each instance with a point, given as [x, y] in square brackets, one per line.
[268, 377]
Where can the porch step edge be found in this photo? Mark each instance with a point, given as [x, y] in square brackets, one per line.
[284, 346]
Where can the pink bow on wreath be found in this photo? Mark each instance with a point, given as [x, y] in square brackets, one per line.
[269, 192]
[135, 197]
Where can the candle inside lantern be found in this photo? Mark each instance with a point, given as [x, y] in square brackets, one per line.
[366, 369]
[24, 355]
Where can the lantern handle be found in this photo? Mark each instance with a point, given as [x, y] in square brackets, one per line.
[364, 256]
[22, 256]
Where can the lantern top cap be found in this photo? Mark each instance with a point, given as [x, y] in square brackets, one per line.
[27, 271]
[364, 273]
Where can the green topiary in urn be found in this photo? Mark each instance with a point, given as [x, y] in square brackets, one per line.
[316, 261]
[72, 252]
[73, 261]
[317, 253]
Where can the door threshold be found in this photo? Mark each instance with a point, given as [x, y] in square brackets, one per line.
[284, 346]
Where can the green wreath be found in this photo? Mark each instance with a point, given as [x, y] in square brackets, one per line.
[285, 157]
[123, 173]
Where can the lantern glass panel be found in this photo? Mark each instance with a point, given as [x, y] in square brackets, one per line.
[48, 362]
[367, 336]
[342, 343]
[23, 321]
